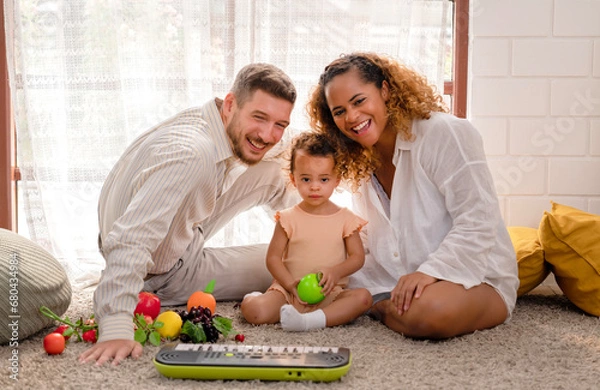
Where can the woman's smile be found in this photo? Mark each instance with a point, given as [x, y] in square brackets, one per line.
[358, 108]
[361, 127]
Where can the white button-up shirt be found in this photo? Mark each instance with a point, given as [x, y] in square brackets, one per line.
[442, 218]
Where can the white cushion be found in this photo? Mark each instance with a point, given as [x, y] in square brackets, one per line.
[30, 277]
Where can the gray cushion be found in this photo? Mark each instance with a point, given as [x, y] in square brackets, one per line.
[30, 277]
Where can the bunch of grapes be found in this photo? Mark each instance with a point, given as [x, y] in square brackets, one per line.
[199, 315]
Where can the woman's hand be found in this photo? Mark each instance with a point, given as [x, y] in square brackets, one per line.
[410, 286]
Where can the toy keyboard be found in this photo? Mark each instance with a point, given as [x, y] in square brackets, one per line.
[247, 362]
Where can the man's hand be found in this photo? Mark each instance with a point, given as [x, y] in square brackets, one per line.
[115, 350]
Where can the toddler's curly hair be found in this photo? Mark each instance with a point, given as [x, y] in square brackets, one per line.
[315, 144]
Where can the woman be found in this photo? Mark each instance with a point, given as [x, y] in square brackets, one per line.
[439, 261]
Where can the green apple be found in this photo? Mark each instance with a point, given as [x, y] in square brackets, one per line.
[309, 290]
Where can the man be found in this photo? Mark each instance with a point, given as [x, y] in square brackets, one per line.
[172, 189]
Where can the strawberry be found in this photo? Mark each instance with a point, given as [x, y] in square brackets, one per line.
[240, 337]
[62, 330]
[90, 336]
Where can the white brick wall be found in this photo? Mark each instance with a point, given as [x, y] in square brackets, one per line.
[576, 18]
[595, 138]
[534, 95]
[596, 64]
[555, 57]
[510, 96]
[561, 136]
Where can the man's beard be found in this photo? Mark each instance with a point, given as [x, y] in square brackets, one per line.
[236, 142]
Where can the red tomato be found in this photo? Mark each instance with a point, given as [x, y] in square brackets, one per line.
[54, 343]
[148, 304]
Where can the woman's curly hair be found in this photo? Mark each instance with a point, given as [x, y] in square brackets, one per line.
[411, 97]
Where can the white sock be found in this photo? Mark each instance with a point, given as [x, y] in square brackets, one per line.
[252, 294]
[295, 321]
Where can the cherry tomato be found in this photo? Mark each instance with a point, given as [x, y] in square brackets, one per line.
[54, 343]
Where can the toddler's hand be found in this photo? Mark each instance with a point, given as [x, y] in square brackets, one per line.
[329, 279]
[294, 292]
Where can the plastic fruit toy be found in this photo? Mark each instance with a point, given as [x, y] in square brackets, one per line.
[62, 328]
[171, 324]
[203, 298]
[309, 290]
[90, 336]
[54, 343]
[148, 304]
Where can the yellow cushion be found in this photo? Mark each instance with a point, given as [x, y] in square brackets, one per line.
[533, 270]
[571, 242]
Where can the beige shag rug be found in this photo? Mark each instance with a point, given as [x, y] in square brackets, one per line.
[549, 344]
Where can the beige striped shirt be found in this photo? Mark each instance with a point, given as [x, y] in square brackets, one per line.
[167, 181]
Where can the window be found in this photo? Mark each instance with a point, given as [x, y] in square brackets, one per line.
[233, 41]
[8, 170]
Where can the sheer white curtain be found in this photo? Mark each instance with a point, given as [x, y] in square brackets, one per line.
[87, 76]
